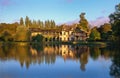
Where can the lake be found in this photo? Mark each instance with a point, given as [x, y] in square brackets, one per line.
[59, 61]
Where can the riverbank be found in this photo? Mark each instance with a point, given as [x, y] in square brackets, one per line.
[57, 43]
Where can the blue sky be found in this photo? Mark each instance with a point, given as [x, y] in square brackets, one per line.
[61, 11]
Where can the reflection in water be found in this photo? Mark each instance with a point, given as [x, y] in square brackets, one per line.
[115, 67]
[44, 54]
[67, 52]
[47, 54]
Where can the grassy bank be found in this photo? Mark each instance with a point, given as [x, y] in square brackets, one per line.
[57, 43]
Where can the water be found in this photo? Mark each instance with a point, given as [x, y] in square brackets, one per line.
[59, 61]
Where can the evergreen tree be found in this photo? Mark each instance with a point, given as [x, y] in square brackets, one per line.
[21, 21]
[27, 21]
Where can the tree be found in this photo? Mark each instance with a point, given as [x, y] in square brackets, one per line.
[21, 21]
[83, 23]
[34, 24]
[27, 21]
[6, 36]
[105, 31]
[116, 15]
[115, 22]
[47, 24]
[115, 66]
[37, 38]
[22, 34]
[30, 23]
[95, 35]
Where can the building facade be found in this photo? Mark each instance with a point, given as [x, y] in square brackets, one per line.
[64, 33]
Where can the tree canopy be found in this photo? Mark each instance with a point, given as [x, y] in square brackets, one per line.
[115, 22]
[83, 23]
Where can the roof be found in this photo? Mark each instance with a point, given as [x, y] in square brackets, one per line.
[43, 30]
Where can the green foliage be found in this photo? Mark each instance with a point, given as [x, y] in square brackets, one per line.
[95, 35]
[116, 15]
[106, 28]
[83, 23]
[37, 38]
[105, 31]
[115, 22]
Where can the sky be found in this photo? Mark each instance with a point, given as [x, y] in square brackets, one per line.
[62, 11]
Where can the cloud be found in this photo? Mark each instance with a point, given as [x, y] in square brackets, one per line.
[99, 21]
[69, 1]
[4, 3]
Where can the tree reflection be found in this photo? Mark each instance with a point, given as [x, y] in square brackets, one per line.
[39, 54]
[115, 67]
[95, 52]
[82, 52]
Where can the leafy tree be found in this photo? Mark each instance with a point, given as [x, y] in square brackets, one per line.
[115, 22]
[22, 34]
[95, 35]
[106, 28]
[83, 23]
[37, 38]
[6, 36]
[105, 31]
[115, 66]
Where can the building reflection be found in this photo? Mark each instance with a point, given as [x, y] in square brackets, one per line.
[47, 54]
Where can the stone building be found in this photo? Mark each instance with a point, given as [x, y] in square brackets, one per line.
[64, 33]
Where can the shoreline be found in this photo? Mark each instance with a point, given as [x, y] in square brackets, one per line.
[59, 43]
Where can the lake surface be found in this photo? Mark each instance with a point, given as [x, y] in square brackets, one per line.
[59, 61]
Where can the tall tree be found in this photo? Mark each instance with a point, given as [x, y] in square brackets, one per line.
[53, 24]
[27, 21]
[115, 22]
[83, 23]
[21, 21]
[40, 24]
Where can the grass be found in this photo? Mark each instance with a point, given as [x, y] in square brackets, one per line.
[59, 43]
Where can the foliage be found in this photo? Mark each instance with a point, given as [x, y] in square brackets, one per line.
[27, 21]
[37, 38]
[8, 27]
[95, 35]
[22, 34]
[7, 31]
[48, 24]
[115, 22]
[115, 67]
[21, 21]
[105, 31]
[83, 23]
[6, 36]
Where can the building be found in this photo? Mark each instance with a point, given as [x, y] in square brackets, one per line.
[63, 33]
